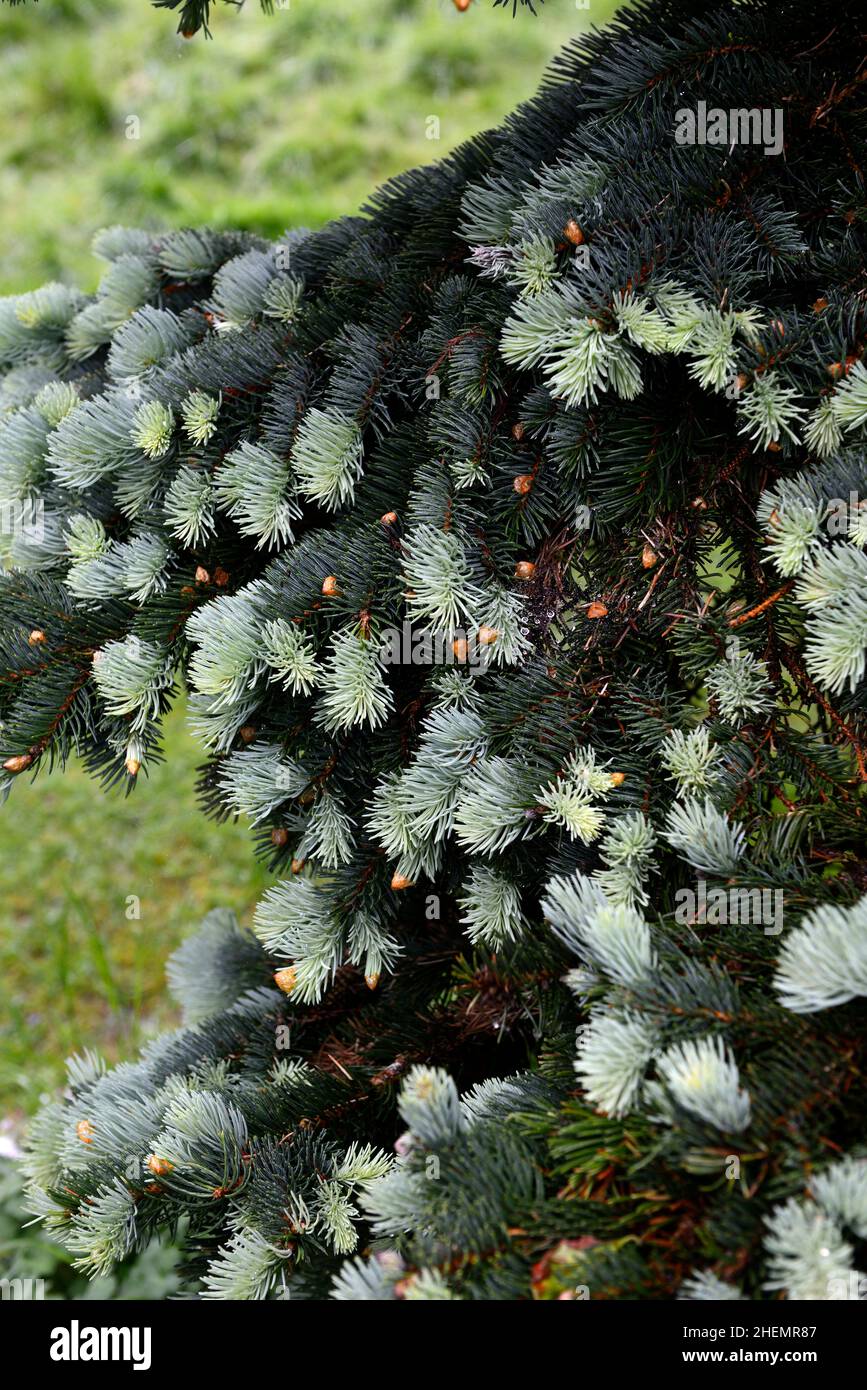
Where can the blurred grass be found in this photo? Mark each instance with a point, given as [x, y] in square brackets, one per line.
[276, 122]
[95, 890]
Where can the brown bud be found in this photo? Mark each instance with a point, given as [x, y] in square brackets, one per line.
[371, 981]
[774, 447]
[202, 576]
[525, 569]
[286, 979]
[518, 431]
[572, 232]
[85, 1131]
[522, 483]
[390, 519]
[297, 865]
[819, 304]
[329, 586]
[159, 1166]
[459, 647]
[37, 637]
[247, 732]
[487, 636]
[617, 779]
[649, 557]
[400, 881]
[132, 766]
[279, 836]
[698, 504]
[307, 797]
[597, 610]
[19, 763]
[221, 576]
[462, 5]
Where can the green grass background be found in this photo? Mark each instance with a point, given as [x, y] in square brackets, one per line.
[276, 122]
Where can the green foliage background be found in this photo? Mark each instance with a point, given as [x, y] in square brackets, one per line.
[275, 122]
